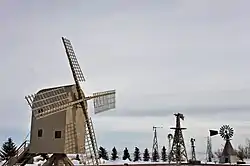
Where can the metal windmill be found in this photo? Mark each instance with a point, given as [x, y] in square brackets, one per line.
[155, 148]
[60, 121]
[209, 152]
[228, 154]
[178, 151]
[193, 158]
[170, 138]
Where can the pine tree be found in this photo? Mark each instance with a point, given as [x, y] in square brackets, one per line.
[103, 153]
[8, 149]
[126, 154]
[164, 154]
[114, 155]
[137, 154]
[146, 156]
[155, 155]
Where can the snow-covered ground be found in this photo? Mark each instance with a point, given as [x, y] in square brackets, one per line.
[38, 161]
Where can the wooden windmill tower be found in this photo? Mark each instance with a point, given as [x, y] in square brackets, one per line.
[60, 122]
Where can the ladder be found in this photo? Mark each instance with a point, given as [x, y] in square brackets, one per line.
[22, 156]
[90, 157]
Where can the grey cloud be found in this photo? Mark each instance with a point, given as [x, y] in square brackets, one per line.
[190, 111]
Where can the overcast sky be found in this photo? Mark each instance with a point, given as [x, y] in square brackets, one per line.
[162, 57]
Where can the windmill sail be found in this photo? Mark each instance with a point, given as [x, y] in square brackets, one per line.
[75, 67]
[213, 132]
[104, 101]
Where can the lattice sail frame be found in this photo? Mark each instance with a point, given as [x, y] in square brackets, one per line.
[104, 101]
[73, 60]
[56, 100]
[48, 102]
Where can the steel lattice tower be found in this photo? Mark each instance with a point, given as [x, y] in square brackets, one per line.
[193, 149]
[178, 151]
[155, 148]
[209, 150]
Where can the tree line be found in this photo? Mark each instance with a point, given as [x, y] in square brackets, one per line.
[137, 156]
[9, 149]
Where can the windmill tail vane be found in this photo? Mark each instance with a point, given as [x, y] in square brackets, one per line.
[213, 133]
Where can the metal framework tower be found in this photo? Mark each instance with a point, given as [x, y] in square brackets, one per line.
[209, 153]
[170, 138]
[155, 148]
[178, 152]
[192, 140]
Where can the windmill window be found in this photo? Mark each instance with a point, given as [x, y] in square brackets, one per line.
[58, 134]
[40, 111]
[40, 133]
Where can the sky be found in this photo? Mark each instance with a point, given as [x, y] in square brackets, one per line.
[162, 57]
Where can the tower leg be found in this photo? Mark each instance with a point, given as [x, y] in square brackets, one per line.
[58, 160]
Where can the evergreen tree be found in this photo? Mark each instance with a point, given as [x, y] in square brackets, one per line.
[8, 149]
[126, 154]
[137, 154]
[146, 156]
[164, 154]
[103, 153]
[155, 155]
[114, 155]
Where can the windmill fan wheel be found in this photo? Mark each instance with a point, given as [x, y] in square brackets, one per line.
[170, 136]
[226, 132]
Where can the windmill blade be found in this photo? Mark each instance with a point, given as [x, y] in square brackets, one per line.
[103, 101]
[50, 102]
[73, 62]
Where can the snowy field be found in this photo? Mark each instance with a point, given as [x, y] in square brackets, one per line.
[38, 161]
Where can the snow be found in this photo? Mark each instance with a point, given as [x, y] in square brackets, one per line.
[38, 162]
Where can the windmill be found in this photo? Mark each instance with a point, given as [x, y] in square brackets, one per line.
[228, 154]
[170, 138]
[178, 152]
[60, 121]
[193, 158]
[209, 153]
[155, 148]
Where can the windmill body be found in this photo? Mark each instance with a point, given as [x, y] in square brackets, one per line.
[61, 132]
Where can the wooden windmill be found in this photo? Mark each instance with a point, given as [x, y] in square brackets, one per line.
[60, 122]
